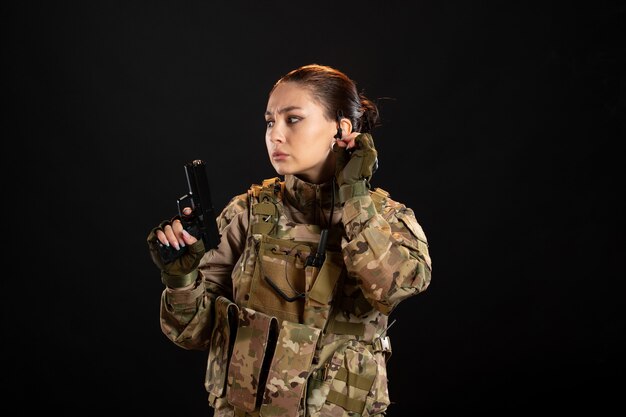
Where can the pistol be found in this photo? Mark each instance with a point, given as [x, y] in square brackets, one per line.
[202, 222]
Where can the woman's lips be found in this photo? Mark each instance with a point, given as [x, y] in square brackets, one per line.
[279, 156]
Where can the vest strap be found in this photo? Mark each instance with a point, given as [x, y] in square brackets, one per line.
[267, 216]
[344, 327]
[264, 208]
[178, 281]
[348, 191]
[346, 402]
[262, 228]
[354, 380]
[271, 182]
[181, 297]
[379, 196]
[263, 201]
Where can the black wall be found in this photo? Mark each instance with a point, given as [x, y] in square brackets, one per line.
[503, 128]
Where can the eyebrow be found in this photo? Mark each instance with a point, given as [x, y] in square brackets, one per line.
[283, 110]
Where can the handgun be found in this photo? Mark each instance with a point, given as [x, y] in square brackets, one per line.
[202, 222]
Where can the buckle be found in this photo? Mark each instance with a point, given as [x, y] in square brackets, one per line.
[382, 344]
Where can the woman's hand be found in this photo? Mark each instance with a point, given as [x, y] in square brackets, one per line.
[170, 234]
[346, 143]
[174, 235]
[356, 158]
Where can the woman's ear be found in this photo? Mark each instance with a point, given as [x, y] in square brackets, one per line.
[346, 126]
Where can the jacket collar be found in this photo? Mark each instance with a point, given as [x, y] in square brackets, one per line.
[305, 196]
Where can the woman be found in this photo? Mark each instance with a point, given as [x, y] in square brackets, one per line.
[293, 304]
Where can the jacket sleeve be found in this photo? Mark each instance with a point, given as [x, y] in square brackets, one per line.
[187, 313]
[387, 252]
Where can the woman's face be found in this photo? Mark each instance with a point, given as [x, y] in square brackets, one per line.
[298, 135]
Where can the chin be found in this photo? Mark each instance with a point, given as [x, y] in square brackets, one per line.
[279, 170]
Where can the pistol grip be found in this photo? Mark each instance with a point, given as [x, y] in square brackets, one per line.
[169, 254]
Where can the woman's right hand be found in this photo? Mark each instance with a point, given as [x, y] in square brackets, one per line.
[174, 235]
[170, 235]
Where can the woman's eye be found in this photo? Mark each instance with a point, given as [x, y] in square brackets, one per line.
[293, 119]
[269, 123]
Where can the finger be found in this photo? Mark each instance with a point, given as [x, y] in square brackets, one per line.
[339, 143]
[350, 140]
[177, 227]
[162, 238]
[169, 234]
[343, 143]
[189, 240]
[187, 211]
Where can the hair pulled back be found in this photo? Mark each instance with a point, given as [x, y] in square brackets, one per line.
[337, 94]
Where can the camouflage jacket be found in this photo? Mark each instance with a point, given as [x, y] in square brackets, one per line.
[257, 305]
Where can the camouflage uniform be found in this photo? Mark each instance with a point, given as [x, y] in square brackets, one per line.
[320, 349]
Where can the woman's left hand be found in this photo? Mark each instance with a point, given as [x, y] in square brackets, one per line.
[356, 158]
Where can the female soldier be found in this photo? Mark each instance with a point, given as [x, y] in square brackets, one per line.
[293, 304]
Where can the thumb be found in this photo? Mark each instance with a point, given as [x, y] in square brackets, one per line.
[189, 240]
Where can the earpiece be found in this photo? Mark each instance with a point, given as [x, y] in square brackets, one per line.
[339, 132]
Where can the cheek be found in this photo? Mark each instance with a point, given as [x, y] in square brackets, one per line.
[320, 150]
[321, 138]
[315, 142]
[268, 142]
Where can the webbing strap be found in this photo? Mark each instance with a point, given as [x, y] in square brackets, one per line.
[183, 297]
[347, 191]
[178, 281]
[354, 380]
[379, 196]
[346, 402]
[271, 189]
[264, 208]
[263, 228]
[344, 327]
[270, 182]
[263, 204]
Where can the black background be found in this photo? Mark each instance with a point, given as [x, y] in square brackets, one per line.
[503, 128]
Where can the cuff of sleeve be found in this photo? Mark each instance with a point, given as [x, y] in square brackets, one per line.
[179, 281]
[348, 191]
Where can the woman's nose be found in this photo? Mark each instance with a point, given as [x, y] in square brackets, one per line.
[276, 135]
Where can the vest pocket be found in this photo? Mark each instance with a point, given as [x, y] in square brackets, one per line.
[278, 283]
[289, 370]
[222, 339]
[353, 380]
[253, 348]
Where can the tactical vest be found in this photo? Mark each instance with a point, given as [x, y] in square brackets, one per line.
[289, 336]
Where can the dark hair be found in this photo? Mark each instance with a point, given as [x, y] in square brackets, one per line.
[337, 93]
